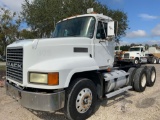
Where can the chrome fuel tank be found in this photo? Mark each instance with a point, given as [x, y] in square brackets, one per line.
[115, 80]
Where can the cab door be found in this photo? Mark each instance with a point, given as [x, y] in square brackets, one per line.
[103, 49]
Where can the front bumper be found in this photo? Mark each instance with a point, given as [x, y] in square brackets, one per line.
[36, 100]
[128, 60]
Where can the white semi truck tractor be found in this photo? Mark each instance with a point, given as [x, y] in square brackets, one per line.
[136, 55]
[73, 69]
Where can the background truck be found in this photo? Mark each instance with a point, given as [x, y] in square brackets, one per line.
[151, 58]
[73, 69]
[136, 54]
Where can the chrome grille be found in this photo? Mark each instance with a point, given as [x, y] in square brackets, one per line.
[15, 64]
[126, 55]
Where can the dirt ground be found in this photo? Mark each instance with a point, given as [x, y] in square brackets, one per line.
[128, 106]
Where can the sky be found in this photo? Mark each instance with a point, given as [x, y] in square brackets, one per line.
[143, 18]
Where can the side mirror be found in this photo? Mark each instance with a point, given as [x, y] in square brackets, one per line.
[110, 29]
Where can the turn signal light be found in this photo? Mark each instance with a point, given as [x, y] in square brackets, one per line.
[108, 69]
[53, 78]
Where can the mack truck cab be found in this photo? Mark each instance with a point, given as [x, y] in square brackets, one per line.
[73, 69]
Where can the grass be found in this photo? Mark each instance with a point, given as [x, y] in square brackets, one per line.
[2, 68]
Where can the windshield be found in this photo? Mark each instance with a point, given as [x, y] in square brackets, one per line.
[76, 27]
[134, 49]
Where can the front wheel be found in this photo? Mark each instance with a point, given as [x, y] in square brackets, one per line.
[136, 61]
[81, 99]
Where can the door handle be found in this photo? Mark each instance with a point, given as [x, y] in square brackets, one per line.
[102, 41]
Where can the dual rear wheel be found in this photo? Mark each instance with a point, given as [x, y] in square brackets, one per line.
[142, 77]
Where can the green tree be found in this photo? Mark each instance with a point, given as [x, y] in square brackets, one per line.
[133, 44]
[125, 47]
[146, 46]
[41, 15]
[27, 34]
[155, 45]
[9, 25]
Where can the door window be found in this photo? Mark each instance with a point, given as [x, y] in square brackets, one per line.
[100, 31]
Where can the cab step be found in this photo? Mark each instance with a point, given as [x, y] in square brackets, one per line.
[121, 90]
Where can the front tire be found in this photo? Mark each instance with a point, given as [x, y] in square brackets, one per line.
[81, 99]
[136, 61]
[140, 80]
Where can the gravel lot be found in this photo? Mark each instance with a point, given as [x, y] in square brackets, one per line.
[128, 106]
[2, 63]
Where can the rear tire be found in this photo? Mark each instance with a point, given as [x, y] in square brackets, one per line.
[140, 80]
[158, 61]
[154, 60]
[131, 72]
[151, 76]
[81, 99]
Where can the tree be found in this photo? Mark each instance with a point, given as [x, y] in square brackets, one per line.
[9, 25]
[27, 34]
[146, 46]
[125, 47]
[41, 15]
[133, 44]
[155, 45]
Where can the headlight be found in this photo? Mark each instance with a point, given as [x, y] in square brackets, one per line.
[38, 78]
[44, 78]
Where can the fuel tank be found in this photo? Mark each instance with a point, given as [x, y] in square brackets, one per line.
[115, 80]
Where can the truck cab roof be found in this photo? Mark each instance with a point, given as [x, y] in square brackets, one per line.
[97, 16]
[137, 46]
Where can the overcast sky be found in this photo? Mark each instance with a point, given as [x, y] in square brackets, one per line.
[143, 16]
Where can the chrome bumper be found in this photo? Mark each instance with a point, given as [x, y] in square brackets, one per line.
[37, 101]
[128, 60]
